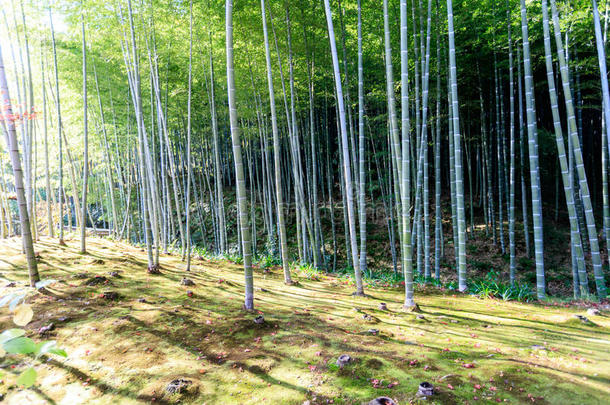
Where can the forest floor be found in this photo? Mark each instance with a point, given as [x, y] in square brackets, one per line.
[127, 350]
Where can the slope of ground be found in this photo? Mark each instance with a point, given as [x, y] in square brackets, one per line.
[127, 350]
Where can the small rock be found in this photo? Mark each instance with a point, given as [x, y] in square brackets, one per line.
[382, 401]
[420, 316]
[187, 281]
[582, 318]
[178, 386]
[142, 300]
[456, 321]
[46, 329]
[373, 332]
[538, 347]
[383, 306]
[593, 312]
[110, 295]
[425, 389]
[369, 318]
[11, 284]
[259, 320]
[80, 276]
[97, 280]
[344, 360]
[63, 319]
[114, 274]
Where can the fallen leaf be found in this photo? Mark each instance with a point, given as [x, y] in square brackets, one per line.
[23, 315]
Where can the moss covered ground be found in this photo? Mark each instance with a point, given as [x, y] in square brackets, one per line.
[126, 351]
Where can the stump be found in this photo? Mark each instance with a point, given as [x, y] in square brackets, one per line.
[425, 389]
[153, 270]
[344, 360]
[187, 281]
[382, 401]
[110, 295]
[178, 385]
[259, 320]
[383, 306]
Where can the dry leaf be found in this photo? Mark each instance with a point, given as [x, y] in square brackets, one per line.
[23, 315]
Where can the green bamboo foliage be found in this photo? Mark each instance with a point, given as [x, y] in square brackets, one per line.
[533, 157]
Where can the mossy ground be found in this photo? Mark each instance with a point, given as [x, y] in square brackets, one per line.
[126, 351]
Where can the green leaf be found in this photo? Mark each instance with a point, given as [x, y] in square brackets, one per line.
[20, 345]
[27, 378]
[58, 351]
[11, 334]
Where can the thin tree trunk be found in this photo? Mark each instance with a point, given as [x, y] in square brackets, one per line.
[361, 145]
[346, 158]
[533, 158]
[83, 224]
[459, 188]
[276, 156]
[11, 141]
[239, 167]
[189, 167]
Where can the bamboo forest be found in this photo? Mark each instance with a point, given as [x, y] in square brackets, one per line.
[304, 202]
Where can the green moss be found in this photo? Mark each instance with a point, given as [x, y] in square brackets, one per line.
[127, 351]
